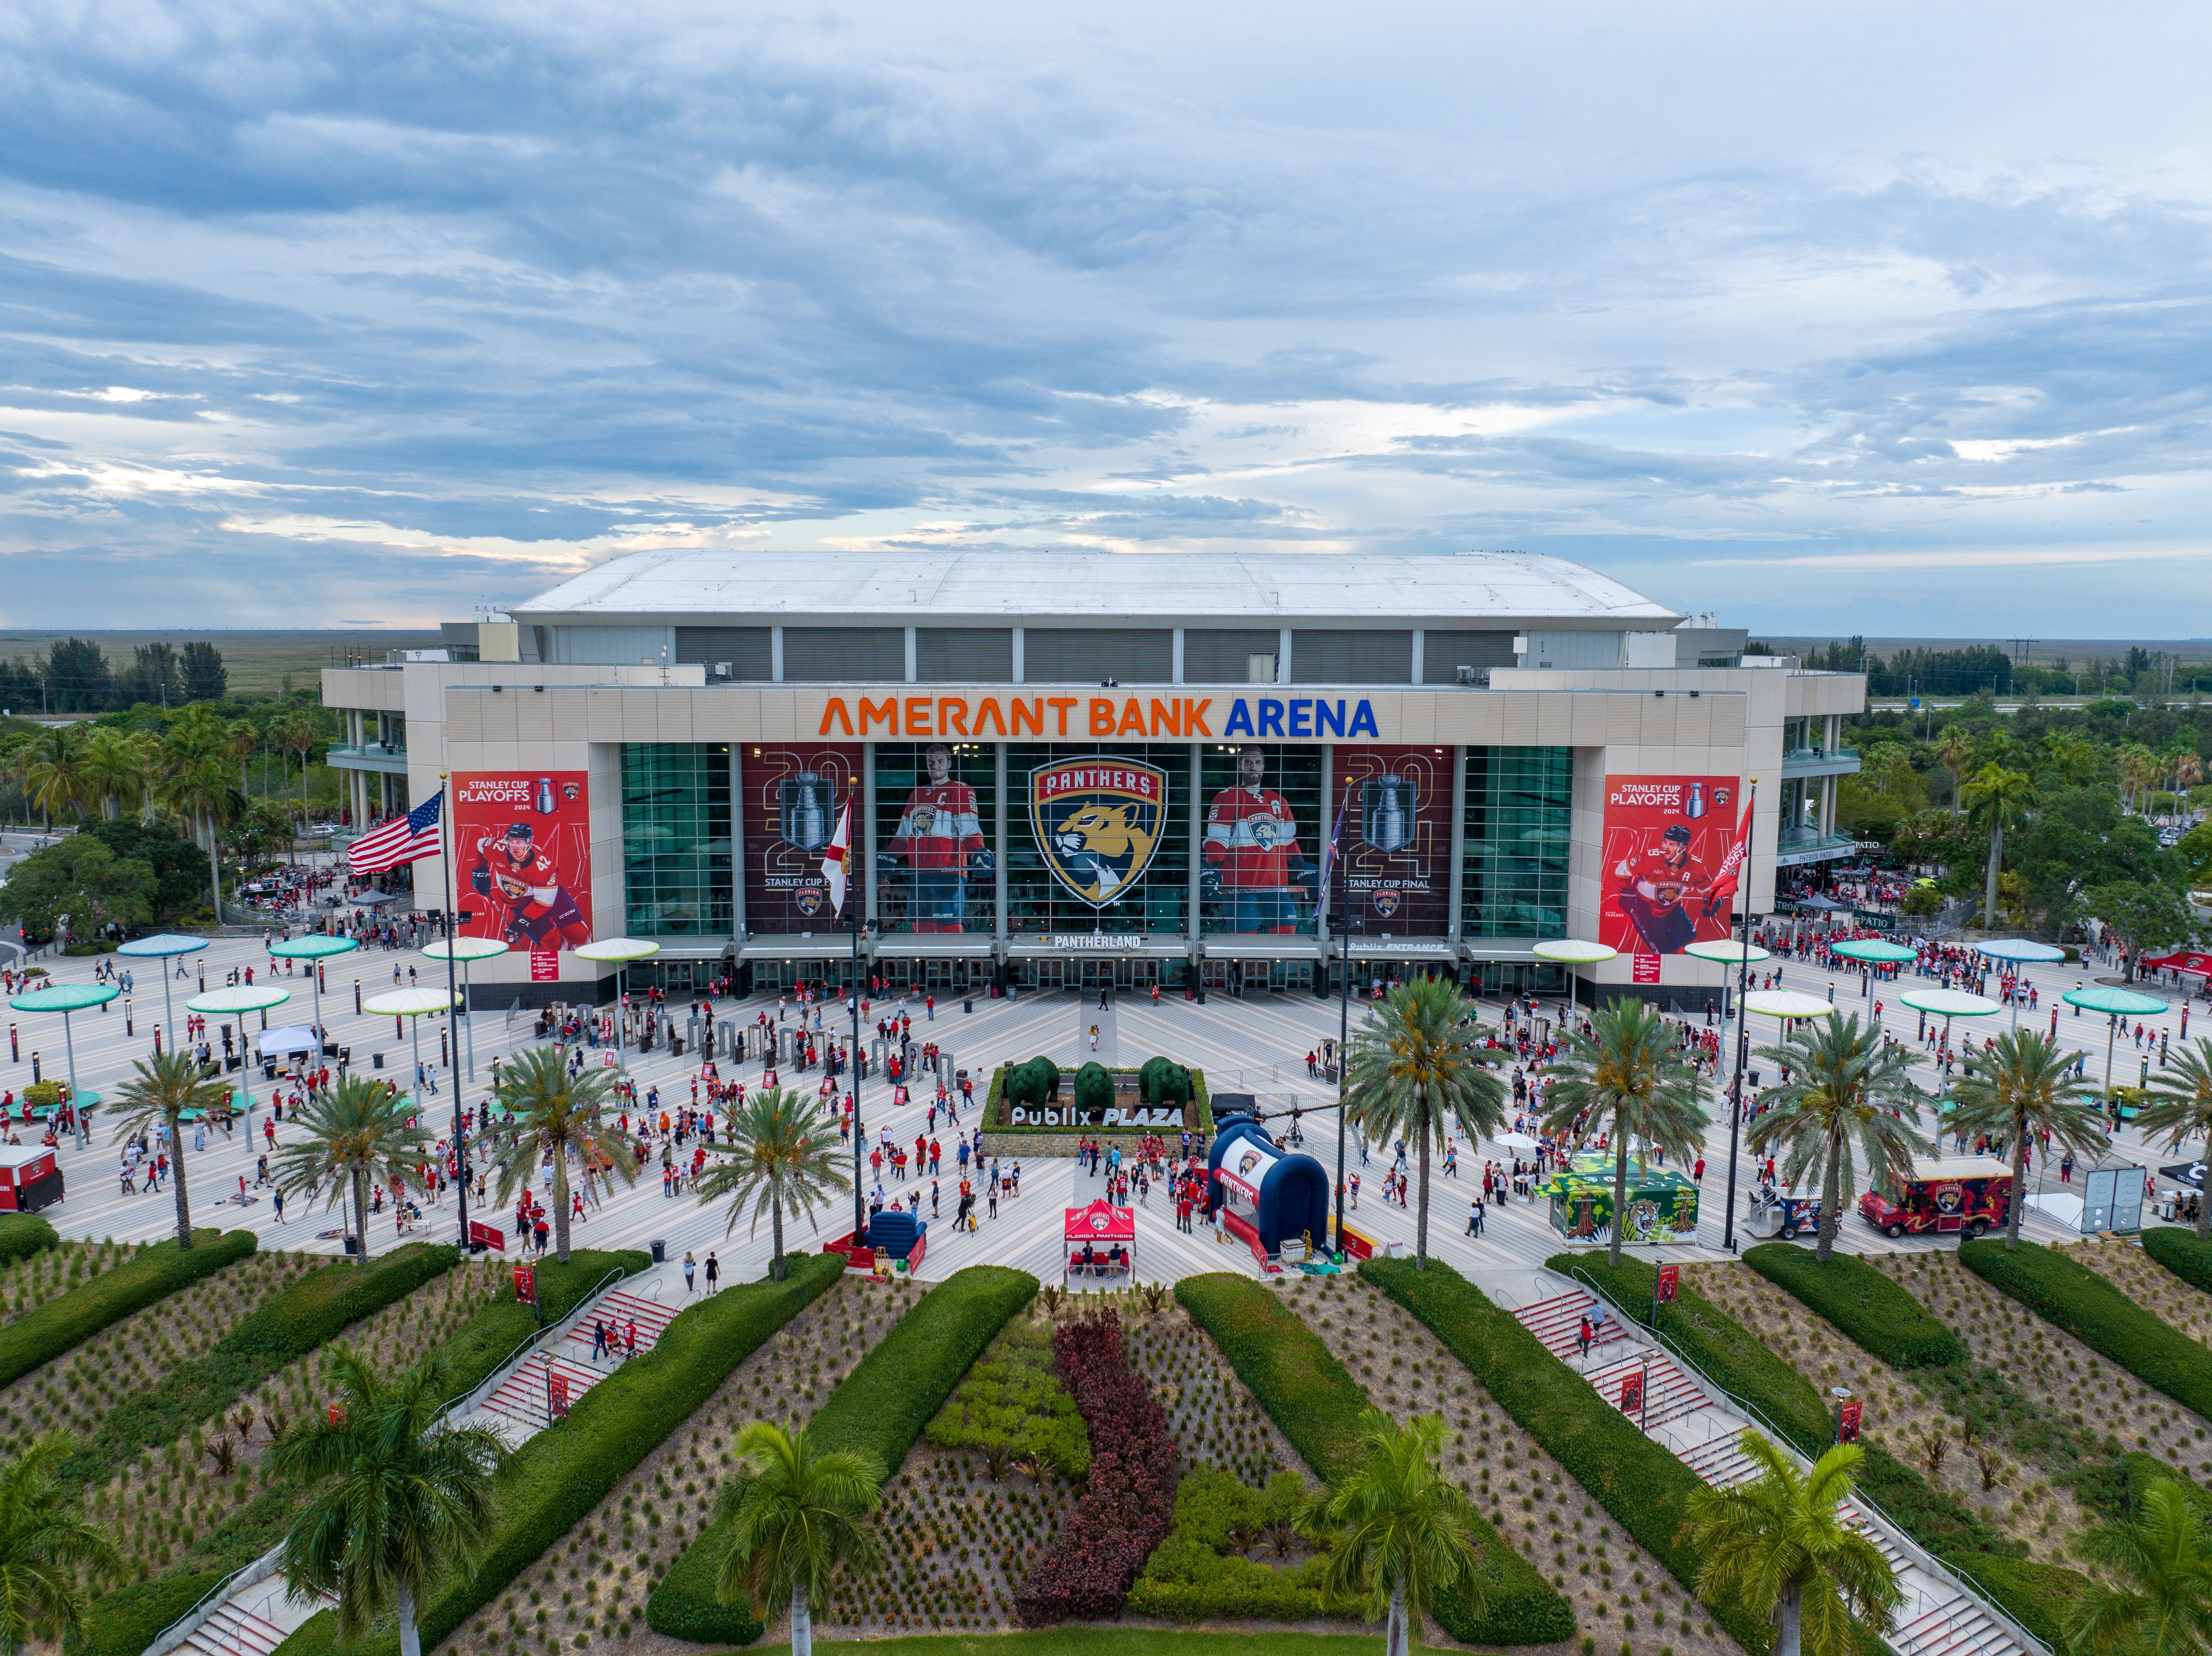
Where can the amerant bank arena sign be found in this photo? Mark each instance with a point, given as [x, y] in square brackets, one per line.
[999, 714]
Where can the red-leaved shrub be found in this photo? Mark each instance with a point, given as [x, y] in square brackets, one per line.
[1125, 1511]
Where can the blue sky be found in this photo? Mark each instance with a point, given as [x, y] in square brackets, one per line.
[1891, 320]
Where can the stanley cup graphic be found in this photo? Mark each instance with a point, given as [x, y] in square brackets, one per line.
[1693, 802]
[803, 805]
[1386, 812]
[545, 796]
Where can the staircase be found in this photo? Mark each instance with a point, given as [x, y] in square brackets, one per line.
[1721, 1461]
[1959, 1627]
[232, 1630]
[1558, 1323]
[521, 1396]
[1668, 1394]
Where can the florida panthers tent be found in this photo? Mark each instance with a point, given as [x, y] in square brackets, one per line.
[2191, 960]
[1103, 1225]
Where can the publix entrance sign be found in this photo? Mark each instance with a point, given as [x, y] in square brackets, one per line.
[1320, 716]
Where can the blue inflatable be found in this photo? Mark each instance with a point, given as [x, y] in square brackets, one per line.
[1277, 1194]
[895, 1233]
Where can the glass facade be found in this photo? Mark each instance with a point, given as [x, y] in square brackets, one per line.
[1114, 823]
[675, 840]
[937, 815]
[1514, 870]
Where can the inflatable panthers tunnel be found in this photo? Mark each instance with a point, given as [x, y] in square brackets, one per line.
[1266, 1194]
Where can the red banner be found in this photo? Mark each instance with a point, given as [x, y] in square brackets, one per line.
[557, 1394]
[337, 1413]
[545, 966]
[1847, 1427]
[526, 1284]
[523, 846]
[487, 1236]
[1662, 1291]
[1665, 864]
[1631, 1392]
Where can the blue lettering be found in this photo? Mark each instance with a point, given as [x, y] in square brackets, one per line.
[1328, 719]
[1363, 719]
[1271, 717]
[1240, 718]
[1301, 718]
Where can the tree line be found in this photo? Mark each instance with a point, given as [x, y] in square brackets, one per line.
[76, 676]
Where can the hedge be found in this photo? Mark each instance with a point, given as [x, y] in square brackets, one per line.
[559, 1478]
[68, 1320]
[879, 1409]
[284, 1328]
[2037, 1596]
[1196, 1576]
[1731, 1355]
[1871, 1309]
[1200, 1098]
[2073, 1297]
[2180, 1253]
[1316, 1403]
[22, 1234]
[1012, 1402]
[124, 1623]
[1635, 1478]
[488, 1339]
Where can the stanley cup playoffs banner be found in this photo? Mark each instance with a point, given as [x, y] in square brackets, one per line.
[523, 861]
[1664, 869]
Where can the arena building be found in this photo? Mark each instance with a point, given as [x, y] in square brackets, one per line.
[1070, 770]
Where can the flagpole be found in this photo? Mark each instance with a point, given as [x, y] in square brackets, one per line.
[1743, 1021]
[1343, 1026]
[853, 1058]
[452, 934]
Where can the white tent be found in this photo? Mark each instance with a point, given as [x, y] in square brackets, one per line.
[296, 1037]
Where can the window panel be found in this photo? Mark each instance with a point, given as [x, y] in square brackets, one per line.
[1350, 655]
[844, 655]
[675, 840]
[1519, 811]
[964, 655]
[1067, 655]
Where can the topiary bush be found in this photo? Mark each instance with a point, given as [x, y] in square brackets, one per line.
[1094, 1088]
[1874, 1310]
[1162, 1082]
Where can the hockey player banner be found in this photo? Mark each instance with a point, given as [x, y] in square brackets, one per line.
[523, 844]
[1254, 873]
[1397, 872]
[1097, 823]
[793, 799]
[1667, 840]
[933, 870]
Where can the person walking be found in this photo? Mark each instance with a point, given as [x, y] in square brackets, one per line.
[1583, 1340]
[713, 1271]
[1474, 1217]
[598, 1338]
[690, 1265]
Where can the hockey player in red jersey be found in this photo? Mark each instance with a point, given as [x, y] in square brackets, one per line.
[940, 842]
[539, 912]
[1252, 867]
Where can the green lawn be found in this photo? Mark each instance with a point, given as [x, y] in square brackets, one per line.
[1103, 1642]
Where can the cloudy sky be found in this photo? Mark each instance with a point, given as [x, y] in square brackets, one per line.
[1874, 318]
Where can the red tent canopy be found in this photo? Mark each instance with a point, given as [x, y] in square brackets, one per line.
[1103, 1224]
[2182, 960]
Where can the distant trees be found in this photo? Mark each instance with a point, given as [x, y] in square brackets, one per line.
[76, 676]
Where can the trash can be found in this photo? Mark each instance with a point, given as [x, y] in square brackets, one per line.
[659, 1247]
[376, 1060]
[968, 1006]
[353, 1244]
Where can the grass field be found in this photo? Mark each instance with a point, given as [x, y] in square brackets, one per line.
[256, 661]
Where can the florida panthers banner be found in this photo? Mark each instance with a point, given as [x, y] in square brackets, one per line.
[1665, 865]
[1097, 823]
[523, 859]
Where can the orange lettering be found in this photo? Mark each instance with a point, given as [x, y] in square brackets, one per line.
[835, 710]
[1167, 718]
[1063, 703]
[886, 710]
[917, 716]
[1101, 716]
[986, 711]
[1193, 717]
[1132, 719]
[951, 716]
[1031, 713]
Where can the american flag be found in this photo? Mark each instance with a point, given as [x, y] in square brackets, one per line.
[406, 839]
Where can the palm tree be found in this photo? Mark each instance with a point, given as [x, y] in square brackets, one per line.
[2178, 1104]
[2166, 1608]
[1778, 1543]
[1996, 799]
[2021, 1090]
[1414, 1066]
[404, 1499]
[351, 1134]
[54, 772]
[167, 1085]
[1628, 1073]
[1956, 751]
[557, 1114]
[295, 733]
[1848, 1080]
[1397, 1529]
[794, 1518]
[777, 1153]
[45, 1548]
[110, 765]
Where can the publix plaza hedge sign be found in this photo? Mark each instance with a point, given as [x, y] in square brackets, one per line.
[1038, 1096]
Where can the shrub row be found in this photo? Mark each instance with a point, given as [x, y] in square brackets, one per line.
[1871, 1309]
[124, 1623]
[486, 1340]
[68, 1320]
[22, 1234]
[879, 1408]
[560, 1476]
[1316, 1403]
[1125, 1511]
[2037, 1596]
[1635, 1478]
[1013, 1405]
[2180, 1253]
[287, 1326]
[1193, 1576]
[2070, 1294]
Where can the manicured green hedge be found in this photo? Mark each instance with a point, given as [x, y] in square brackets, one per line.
[1633, 1476]
[1194, 1575]
[68, 1320]
[2180, 1253]
[125, 1622]
[1729, 1354]
[1870, 1308]
[879, 1409]
[1011, 1401]
[2070, 1294]
[22, 1234]
[485, 1341]
[2037, 1596]
[287, 1326]
[1316, 1403]
[1199, 1097]
[560, 1476]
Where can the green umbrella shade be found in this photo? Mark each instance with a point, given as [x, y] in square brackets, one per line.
[67, 998]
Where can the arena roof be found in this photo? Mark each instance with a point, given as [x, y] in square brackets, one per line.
[689, 587]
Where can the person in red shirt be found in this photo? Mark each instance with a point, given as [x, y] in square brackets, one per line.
[1252, 870]
[939, 842]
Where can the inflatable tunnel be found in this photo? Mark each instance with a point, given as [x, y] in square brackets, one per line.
[1266, 1194]
[895, 1233]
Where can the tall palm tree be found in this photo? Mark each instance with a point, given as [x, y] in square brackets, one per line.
[2019, 1089]
[1848, 1080]
[350, 1134]
[777, 1153]
[794, 1519]
[404, 1499]
[199, 788]
[45, 1548]
[295, 733]
[1397, 1529]
[1628, 1074]
[1778, 1543]
[2165, 1606]
[1416, 1065]
[1955, 749]
[55, 770]
[163, 1087]
[110, 764]
[2179, 1105]
[1996, 799]
[557, 1114]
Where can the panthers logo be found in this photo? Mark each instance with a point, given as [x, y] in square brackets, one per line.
[1097, 823]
